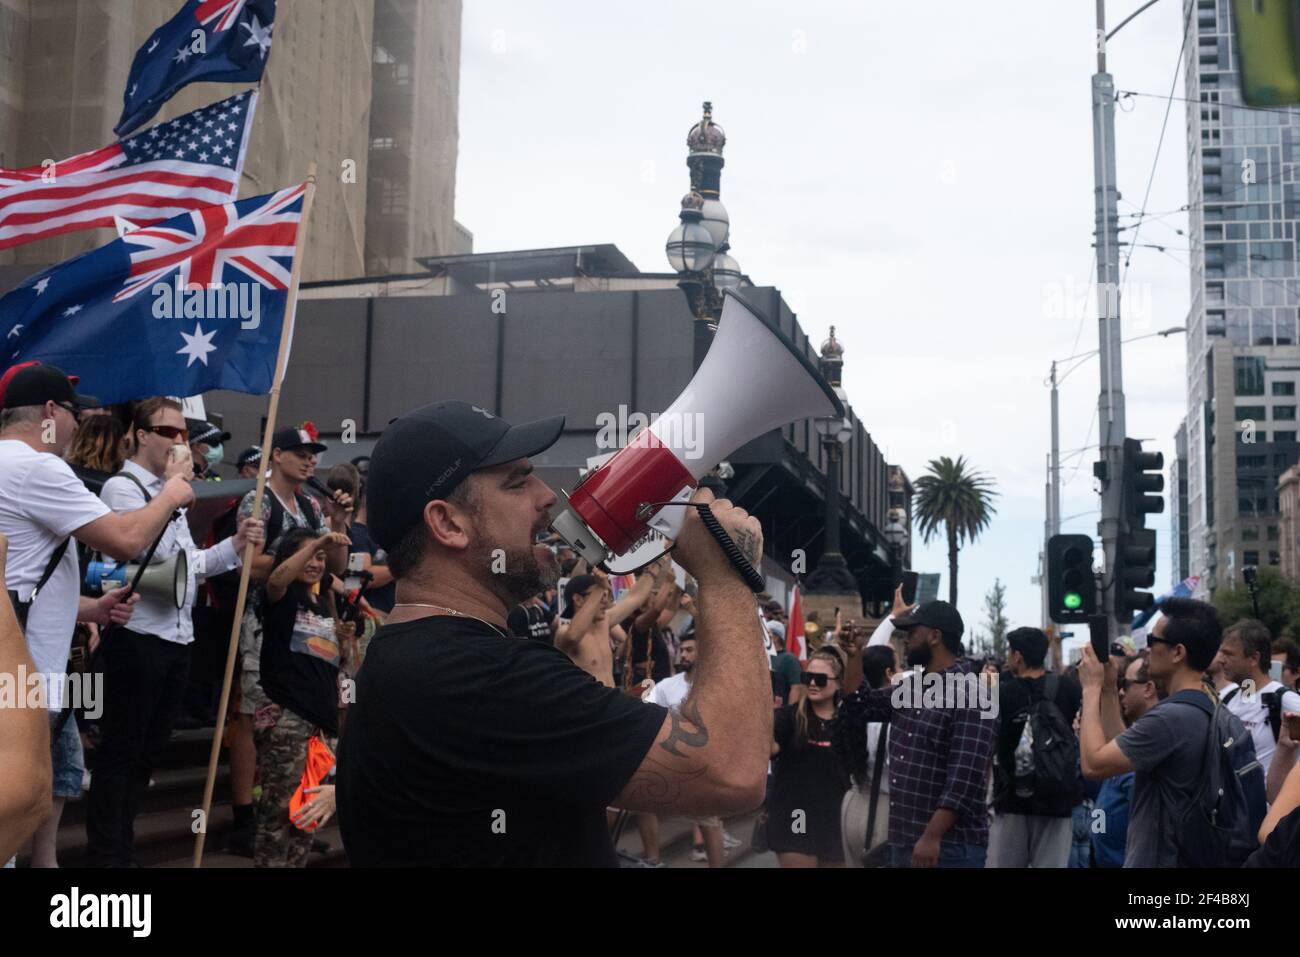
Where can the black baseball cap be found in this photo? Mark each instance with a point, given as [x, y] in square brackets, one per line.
[934, 614]
[425, 454]
[201, 431]
[292, 438]
[35, 383]
[250, 456]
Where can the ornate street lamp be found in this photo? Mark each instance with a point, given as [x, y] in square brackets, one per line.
[698, 248]
[832, 573]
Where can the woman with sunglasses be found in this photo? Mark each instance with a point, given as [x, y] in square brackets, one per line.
[808, 781]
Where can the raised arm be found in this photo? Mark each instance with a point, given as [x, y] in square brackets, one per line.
[636, 596]
[646, 619]
[293, 566]
[124, 535]
[711, 758]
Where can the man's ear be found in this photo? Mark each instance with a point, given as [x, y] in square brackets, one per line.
[447, 525]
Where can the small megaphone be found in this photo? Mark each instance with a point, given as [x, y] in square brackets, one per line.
[752, 379]
[167, 581]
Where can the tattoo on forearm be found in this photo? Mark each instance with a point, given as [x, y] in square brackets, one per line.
[656, 786]
[679, 731]
[747, 542]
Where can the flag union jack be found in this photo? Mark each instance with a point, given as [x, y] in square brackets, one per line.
[257, 241]
[223, 12]
[216, 297]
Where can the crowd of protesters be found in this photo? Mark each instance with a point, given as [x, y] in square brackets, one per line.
[886, 743]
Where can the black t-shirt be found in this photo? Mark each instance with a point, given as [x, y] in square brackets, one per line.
[529, 621]
[300, 659]
[1015, 695]
[466, 748]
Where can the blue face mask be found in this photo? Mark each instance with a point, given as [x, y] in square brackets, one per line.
[215, 452]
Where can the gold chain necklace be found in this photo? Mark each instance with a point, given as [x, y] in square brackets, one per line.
[459, 614]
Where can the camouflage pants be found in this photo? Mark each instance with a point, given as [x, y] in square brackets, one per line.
[281, 738]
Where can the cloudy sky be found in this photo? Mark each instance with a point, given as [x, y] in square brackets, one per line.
[918, 175]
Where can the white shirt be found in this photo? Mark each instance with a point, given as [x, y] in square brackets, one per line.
[155, 616]
[1253, 712]
[884, 631]
[671, 692]
[42, 502]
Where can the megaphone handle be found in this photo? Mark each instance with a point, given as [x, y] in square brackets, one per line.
[738, 560]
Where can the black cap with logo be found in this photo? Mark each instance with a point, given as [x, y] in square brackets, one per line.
[933, 614]
[425, 454]
[290, 438]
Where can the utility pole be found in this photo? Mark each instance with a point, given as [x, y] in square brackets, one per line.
[1110, 402]
[1054, 465]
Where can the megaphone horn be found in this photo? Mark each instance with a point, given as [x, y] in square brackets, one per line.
[752, 379]
[166, 581]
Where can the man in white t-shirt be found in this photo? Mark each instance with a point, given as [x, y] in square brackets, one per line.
[1245, 654]
[42, 505]
[707, 843]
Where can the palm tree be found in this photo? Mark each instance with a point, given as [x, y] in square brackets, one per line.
[961, 499]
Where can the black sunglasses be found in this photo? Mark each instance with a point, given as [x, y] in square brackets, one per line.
[71, 409]
[812, 678]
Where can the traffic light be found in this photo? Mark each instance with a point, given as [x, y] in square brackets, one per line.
[1135, 551]
[1071, 589]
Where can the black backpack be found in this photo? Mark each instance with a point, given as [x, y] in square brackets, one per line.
[1273, 701]
[1053, 783]
[1218, 827]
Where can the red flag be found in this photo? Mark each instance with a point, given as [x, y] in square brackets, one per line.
[794, 640]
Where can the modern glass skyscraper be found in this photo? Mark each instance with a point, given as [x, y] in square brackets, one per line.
[1244, 325]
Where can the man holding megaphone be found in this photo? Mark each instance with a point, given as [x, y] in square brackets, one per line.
[468, 746]
[146, 666]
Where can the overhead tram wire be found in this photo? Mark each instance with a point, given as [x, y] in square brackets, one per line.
[1119, 94]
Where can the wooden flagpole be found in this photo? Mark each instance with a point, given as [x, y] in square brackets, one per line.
[282, 359]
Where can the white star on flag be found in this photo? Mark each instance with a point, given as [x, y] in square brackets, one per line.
[259, 36]
[71, 310]
[197, 346]
[183, 54]
[41, 286]
[153, 46]
[14, 331]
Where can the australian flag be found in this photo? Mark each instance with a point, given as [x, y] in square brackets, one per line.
[215, 41]
[191, 304]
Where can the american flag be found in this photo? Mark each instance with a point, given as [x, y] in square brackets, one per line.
[186, 163]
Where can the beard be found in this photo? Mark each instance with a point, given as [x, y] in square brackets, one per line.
[524, 572]
[919, 656]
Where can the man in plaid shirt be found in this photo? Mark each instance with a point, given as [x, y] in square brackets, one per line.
[939, 750]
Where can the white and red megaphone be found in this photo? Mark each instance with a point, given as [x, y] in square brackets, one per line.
[752, 380]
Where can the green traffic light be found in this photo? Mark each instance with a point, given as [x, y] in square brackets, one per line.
[1073, 600]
